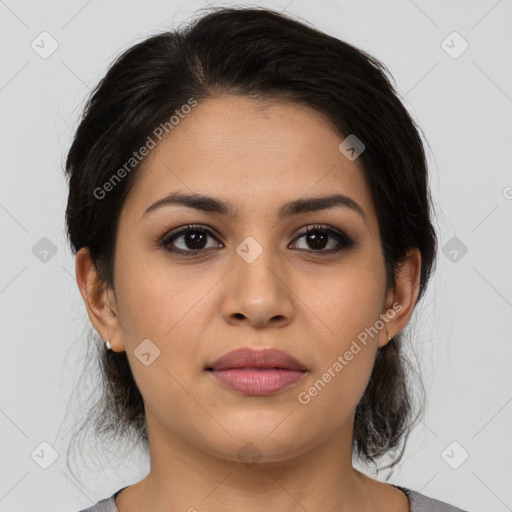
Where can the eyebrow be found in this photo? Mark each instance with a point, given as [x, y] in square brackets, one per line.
[212, 205]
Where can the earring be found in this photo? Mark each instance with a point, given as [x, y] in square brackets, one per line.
[389, 337]
[108, 345]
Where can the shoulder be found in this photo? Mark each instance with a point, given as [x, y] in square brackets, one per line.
[105, 505]
[422, 503]
[419, 503]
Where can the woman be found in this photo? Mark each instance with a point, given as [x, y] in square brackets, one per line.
[250, 212]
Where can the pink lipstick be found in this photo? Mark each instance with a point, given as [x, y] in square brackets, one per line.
[257, 372]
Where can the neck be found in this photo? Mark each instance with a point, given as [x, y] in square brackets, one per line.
[183, 477]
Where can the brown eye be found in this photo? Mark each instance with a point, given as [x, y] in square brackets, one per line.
[323, 239]
[190, 239]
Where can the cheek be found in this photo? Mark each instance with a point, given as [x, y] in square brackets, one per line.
[172, 308]
[349, 305]
[345, 360]
[156, 298]
[333, 393]
[166, 307]
[347, 301]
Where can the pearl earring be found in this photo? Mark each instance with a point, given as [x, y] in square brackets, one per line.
[108, 345]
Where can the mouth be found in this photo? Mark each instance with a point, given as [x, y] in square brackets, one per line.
[257, 372]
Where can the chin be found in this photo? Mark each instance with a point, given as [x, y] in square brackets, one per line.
[260, 445]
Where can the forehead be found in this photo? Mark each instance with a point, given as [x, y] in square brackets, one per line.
[254, 155]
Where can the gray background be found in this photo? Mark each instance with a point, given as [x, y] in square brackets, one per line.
[463, 103]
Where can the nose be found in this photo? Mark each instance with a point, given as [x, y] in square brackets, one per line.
[259, 293]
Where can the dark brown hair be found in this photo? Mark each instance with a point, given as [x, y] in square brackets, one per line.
[259, 54]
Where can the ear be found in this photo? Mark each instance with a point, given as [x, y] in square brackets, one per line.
[98, 298]
[400, 302]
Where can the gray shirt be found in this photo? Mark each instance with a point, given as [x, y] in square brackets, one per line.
[418, 503]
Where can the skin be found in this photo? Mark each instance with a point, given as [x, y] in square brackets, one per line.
[255, 156]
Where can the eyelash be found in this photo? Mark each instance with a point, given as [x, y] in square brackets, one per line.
[345, 241]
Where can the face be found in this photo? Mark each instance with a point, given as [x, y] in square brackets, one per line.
[249, 277]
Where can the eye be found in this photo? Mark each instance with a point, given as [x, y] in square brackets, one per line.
[190, 239]
[317, 237]
[194, 239]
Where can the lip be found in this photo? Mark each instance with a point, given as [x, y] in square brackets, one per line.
[257, 372]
